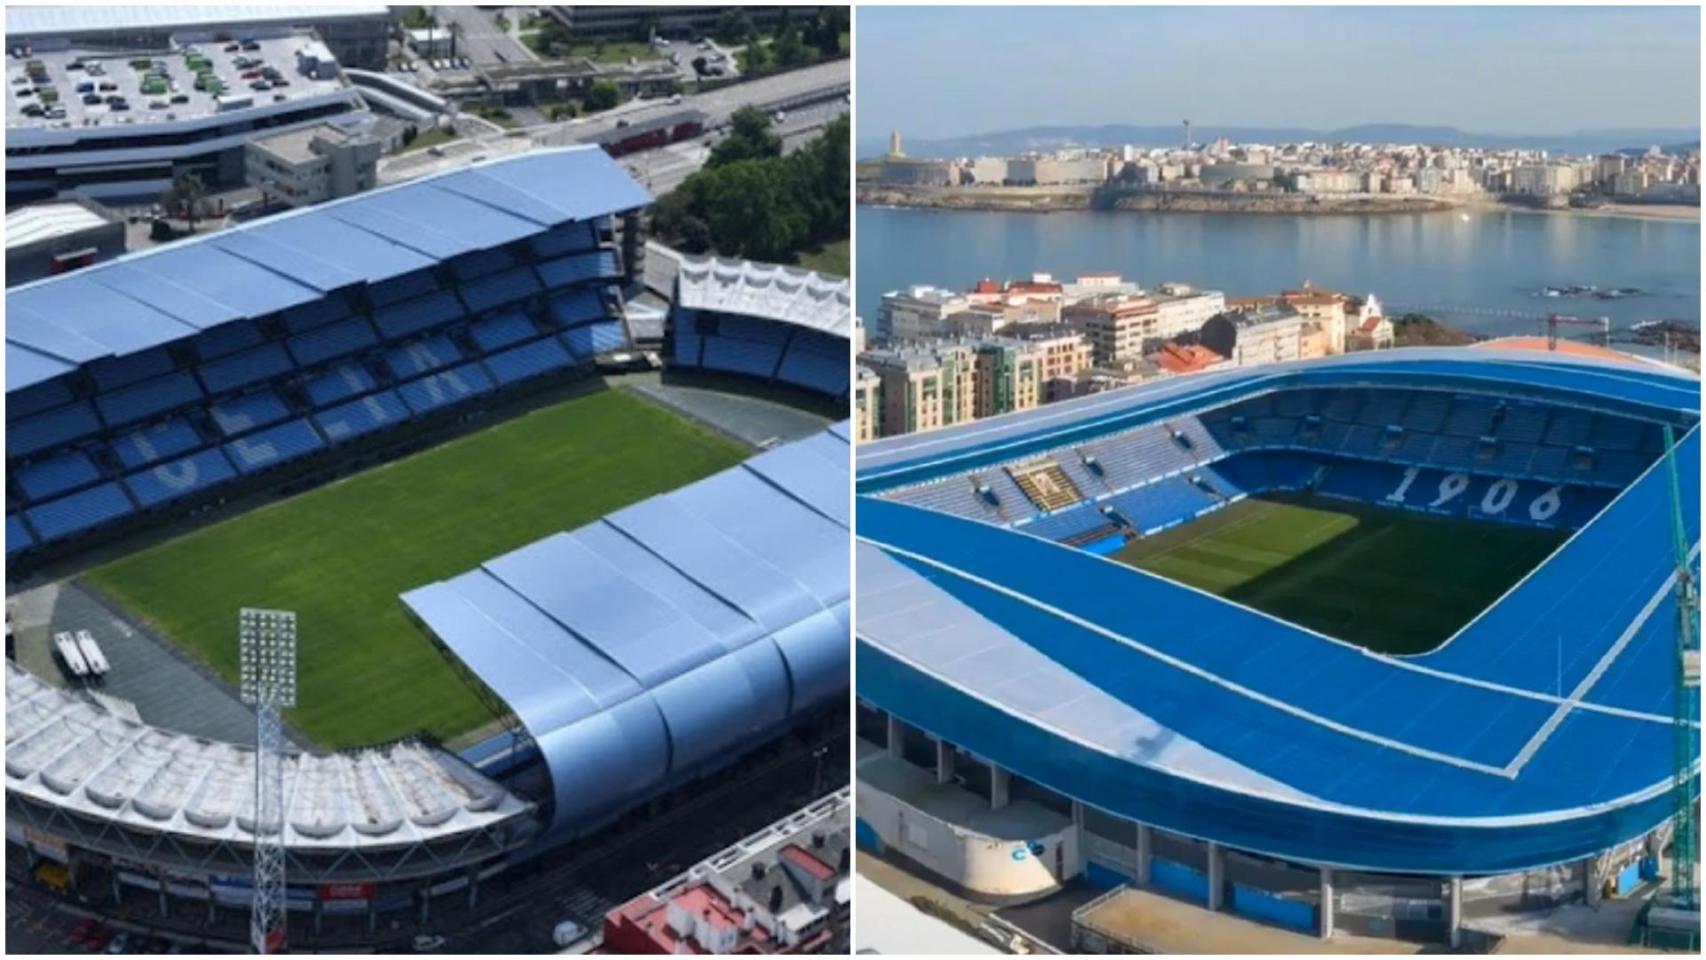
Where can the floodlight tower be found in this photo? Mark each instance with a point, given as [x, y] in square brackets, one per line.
[1686, 697]
[267, 639]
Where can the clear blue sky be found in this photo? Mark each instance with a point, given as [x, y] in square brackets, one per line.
[953, 71]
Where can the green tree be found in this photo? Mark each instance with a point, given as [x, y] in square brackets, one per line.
[831, 23]
[753, 213]
[750, 137]
[603, 95]
[734, 27]
[187, 195]
[790, 50]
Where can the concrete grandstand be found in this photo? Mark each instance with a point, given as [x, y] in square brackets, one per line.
[273, 357]
[1206, 748]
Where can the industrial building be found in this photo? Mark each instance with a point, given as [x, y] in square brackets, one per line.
[1030, 713]
[47, 239]
[112, 125]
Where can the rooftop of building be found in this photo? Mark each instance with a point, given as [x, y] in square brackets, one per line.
[1188, 358]
[157, 87]
[34, 21]
[297, 146]
[47, 221]
[926, 294]
[786, 294]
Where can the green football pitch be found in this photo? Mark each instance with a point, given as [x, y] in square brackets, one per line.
[1391, 581]
[341, 554]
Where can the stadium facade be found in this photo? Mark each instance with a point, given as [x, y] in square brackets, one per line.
[1201, 746]
[277, 355]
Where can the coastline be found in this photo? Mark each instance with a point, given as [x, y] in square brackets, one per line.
[1069, 198]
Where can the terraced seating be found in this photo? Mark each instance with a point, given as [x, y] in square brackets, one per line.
[1470, 417]
[79, 511]
[1046, 485]
[342, 381]
[527, 361]
[254, 365]
[1427, 411]
[147, 399]
[354, 418]
[590, 339]
[333, 341]
[44, 431]
[227, 338]
[572, 308]
[413, 316]
[741, 356]
[422, 356]
[46, 479]
[239, 415]
[578, 268]
[502, 330]
[1569, 428]
[155, 442]
[1523, 423]
[112, 373]
[273, 446]
[179, 478]
[500, 289]
[443, 389]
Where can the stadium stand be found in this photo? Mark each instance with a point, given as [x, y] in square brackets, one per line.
[743, 573]
[352, 324]
[1538, 737]
[759, 320]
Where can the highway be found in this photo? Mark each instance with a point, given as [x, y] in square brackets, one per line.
[809, 98]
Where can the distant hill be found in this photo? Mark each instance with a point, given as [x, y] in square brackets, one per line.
[1009, 142]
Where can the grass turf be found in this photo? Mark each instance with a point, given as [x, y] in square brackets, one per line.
[339, 555]
[1390, 581]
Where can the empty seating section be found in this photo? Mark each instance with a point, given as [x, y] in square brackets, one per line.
[155, 442]
[689, 350]
[499, 289]
[273, 446]
[357, 417]
[342, 381]
[594, 338]
[45, 479]
[333, 341]
[179, 478]
[422, 356]
[816, 361]
[527, 361]
[153, 427]
[502, 330]
[147, 399]
[577, 268]
[1354, 443]
[239, 415]
[79, 511]
[741, 356]
[443, 389]
[265, 362]
[115, 372]
[51, 429]
[412, 316]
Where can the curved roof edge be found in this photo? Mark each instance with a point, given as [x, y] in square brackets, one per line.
[663, 640]
[791, 295]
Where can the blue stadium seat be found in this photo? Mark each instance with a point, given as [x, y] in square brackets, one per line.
[402, 319]
[114, 372]
[575, 307]
[239, 415]
[38, 397]
[1470, 417]
[443, 389]
[804, 369]
[47, 430]
[18, 535]
[595, 338]
[405, 287]
[240, 370]
[149, 398]
[688, 349]
[179, 478]
[741, 356]
[80, 511]
[526, 361]
[751, 328]
[578, 268]
[339, 339]
[422, 356]
[339, 383]
[568, 238]
[155, 442]
[226, 339]
[1569, 427]
[480, 263]
[49, 478]
[357, 417]
[499, 289]
[273, 446]
[502, 330]
[314, 313]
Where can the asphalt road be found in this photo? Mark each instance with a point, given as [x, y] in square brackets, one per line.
[481, 40]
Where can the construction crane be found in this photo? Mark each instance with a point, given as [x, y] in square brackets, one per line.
[1685, 699]
[1555, 320]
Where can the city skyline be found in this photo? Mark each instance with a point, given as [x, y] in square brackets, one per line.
[1536, 57]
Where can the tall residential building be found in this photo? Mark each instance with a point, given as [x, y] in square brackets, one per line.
[1329, 307]
[1009, 376]
[1181, 308]
[1118, 326]
[1257, 334]
[1543, 179]
[917, 313]
[867, 404]
[1064, 353]
[924, 386]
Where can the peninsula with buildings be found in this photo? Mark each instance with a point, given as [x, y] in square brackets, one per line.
[1290, 178]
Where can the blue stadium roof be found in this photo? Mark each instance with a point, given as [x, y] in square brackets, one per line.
[1539, 733]
[157, 296]
[668, 638]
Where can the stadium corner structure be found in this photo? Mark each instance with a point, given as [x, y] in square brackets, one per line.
[1162, 733]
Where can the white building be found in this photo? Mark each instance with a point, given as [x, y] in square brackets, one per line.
[1181, 308]
[918, 313]
[316, 164]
